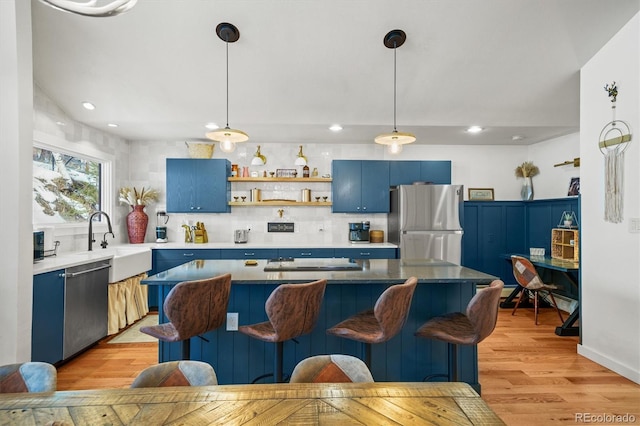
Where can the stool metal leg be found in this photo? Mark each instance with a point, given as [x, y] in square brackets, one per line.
[277, 363]
[367, 354]
[186, 349]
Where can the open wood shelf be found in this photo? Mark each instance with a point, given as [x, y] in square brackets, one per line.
[565, 244]
[278, 179]
[280, 203]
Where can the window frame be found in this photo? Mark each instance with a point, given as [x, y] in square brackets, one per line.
[80, 149]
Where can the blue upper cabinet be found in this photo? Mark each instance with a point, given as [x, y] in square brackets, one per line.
[408, 172]
[360, 186]
[198, 185]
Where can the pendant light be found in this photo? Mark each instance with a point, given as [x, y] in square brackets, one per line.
[228, 137]
[301, 160]
[90, 8]
[395, 139]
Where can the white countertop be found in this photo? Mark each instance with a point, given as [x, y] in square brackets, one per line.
[66, 260]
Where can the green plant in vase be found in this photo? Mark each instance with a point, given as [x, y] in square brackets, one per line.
[568, 219]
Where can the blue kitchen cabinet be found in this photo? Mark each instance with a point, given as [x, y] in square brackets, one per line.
[47, 317]
[249, 253]
[306, 253]
[360, 186]
[198, 185]
[366, 253]
[408, 172]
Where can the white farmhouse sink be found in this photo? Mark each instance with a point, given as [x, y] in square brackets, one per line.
[129, 261]
[126, 261]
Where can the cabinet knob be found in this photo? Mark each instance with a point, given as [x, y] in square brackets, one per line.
[191, 207]
[198, 208]
[358, 208]
[62, 275]
[364, 208]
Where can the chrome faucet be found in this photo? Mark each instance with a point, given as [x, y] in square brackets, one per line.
[104, 237]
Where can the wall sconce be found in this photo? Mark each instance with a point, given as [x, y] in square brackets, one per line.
[258, 158]
[301, 160]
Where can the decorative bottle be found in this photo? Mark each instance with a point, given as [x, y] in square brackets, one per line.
[305, 171]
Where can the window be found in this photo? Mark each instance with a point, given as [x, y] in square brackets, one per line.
[68, 186]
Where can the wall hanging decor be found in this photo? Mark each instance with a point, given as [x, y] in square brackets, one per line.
[614, 139]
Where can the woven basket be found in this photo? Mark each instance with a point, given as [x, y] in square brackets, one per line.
[200, 150]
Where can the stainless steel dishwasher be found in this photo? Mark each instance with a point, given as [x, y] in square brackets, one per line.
[86, 303]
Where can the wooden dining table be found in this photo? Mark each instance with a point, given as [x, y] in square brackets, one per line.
[267, 404]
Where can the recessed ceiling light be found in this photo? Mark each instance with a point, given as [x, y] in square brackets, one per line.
[211, 126]
[112, 125]
[517, 138]
[474, 129]
[88, 105]
[335, 128]
[61, 123]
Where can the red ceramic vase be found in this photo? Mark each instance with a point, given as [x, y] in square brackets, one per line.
[137, 221]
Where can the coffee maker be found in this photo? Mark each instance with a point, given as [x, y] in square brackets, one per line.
[161, 230]
[359, 232]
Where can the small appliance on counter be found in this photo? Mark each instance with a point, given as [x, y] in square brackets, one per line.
[240, 236]
[359, 232]
[161, 229]
[38, 246]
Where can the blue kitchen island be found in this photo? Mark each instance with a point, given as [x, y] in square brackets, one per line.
[351, 287]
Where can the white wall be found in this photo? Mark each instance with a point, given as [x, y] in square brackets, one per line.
[15, 187]
[610, 318]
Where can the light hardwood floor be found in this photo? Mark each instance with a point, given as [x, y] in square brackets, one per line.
[529, 376]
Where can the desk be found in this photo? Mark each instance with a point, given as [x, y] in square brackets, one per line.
[569, 270]
[317, 403]
[442, 287]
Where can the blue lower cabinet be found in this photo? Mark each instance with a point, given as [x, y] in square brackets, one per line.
[48, 317]
[248, 253]
[367, 253]
[306, 253]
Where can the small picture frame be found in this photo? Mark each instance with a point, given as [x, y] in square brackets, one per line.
[480, 194]
[574, 187]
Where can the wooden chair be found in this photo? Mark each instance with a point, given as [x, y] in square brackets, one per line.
[381, 323]
[468, 328]
[331, 369]
[528, 278]
[176, 373]
[193, 308]
[28, 377]
[292, 311]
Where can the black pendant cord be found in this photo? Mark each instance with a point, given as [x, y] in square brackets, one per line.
[394, 87]
[227, 44]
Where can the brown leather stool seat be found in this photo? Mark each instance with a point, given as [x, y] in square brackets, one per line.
[468, 328]
[28, 377]
[292, 311]
[381, 323]
[176, 373]
[193, 308]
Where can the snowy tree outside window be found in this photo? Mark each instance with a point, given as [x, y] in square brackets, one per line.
[66, 188]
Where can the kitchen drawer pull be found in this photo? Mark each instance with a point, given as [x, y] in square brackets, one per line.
[188, 254]
[249, 254]
[75, 274]
[305, 254]
[365, 254]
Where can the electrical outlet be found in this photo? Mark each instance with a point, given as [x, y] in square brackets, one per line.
[232, 321]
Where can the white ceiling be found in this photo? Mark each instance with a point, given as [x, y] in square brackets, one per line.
[158, 71]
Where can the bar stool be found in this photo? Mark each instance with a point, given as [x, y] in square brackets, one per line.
[28, 377]
[292, 310]
[193, 308]
[176, 373]
[381, 323]
[468, 328]
[331, 369]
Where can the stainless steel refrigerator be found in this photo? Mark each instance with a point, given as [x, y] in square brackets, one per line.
[425, 221]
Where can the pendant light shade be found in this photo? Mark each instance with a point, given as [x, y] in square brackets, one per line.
[395, 139]
[90, 8]
[258, 159]
[228, 137]
[301, 159]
